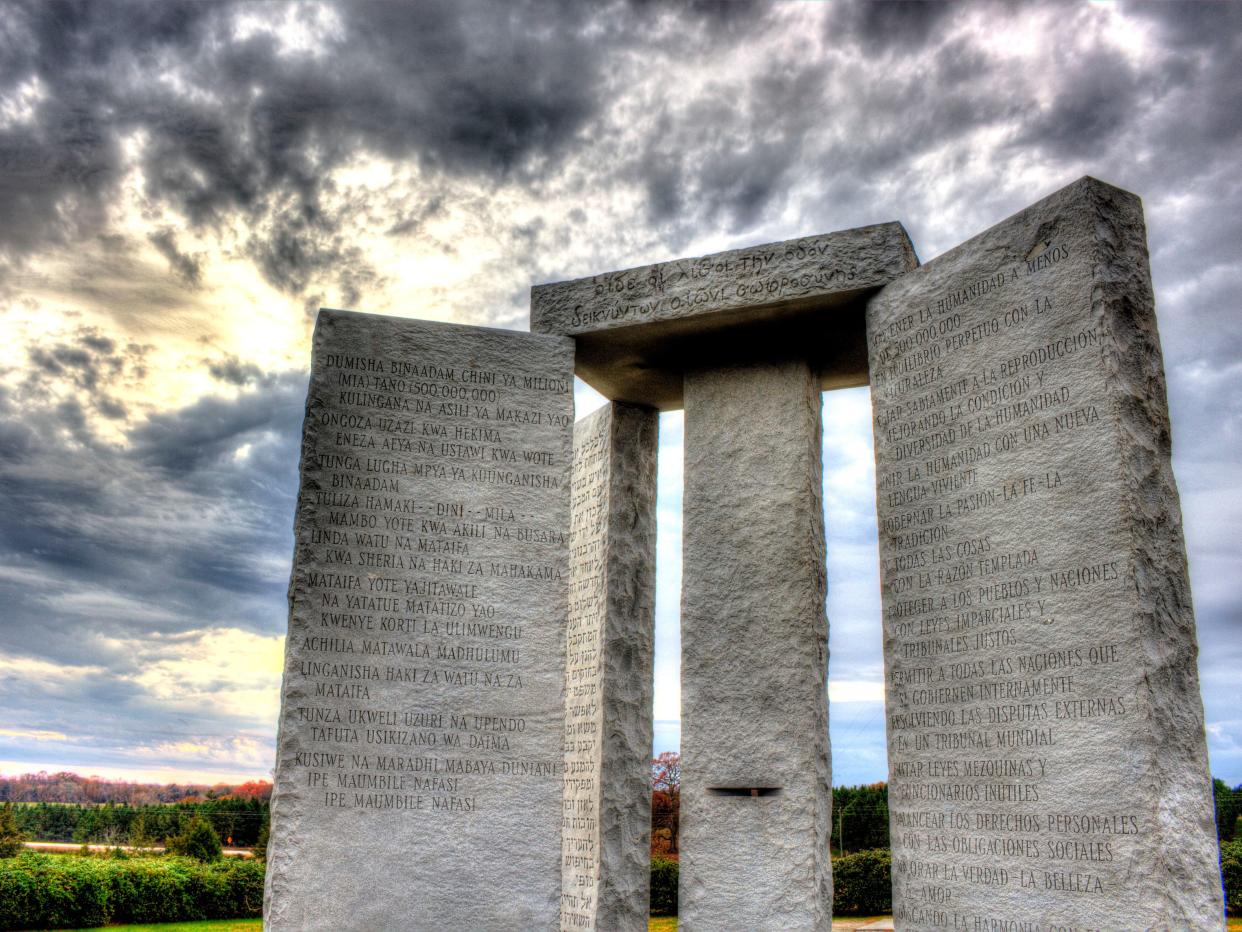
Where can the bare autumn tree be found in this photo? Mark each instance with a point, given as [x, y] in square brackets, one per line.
[666, 803]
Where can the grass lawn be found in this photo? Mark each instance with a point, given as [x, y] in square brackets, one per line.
[660, 924]
[207, 925]
[655, 924]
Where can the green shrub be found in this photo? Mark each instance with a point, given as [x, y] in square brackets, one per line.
[862, 883]
[199, 840]
[1231, 874]
[260, 843]
[47, 891]
[663, 887]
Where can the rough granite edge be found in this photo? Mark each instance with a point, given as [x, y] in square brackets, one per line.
[1123, 306]
[627, 656]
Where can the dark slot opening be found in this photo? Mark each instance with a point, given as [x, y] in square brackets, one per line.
[752, 791]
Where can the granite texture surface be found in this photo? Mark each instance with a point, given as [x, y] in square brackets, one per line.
[1046, 741]
[419, 762]
[607, 824]
[756, 803]
[637, 329]
[797, 270]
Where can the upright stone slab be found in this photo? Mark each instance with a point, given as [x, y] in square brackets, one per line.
[756, 798]
[419, 768]
[606, 864]
[1046, 749]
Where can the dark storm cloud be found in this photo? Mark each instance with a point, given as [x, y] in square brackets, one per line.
[121, 553]
[232, 124]
[233, 371]
[187, 267]
[897, 26]
[87, 362]
[183, 526]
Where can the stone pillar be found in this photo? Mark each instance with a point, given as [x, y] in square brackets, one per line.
[419, 758]
[756, 799]
[1045, 730]
[606, 824]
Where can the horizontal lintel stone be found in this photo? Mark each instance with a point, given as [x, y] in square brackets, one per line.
[638, 329]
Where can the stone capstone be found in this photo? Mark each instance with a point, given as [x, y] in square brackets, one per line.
[637, 330]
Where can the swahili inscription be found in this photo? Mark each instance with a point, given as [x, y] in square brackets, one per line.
[424, 663]
[1017, 708]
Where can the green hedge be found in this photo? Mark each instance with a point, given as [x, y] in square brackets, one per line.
[1231, 874]
[862, 883]
[664, 887]
[53, 891]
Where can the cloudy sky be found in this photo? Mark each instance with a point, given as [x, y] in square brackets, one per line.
[183, 184]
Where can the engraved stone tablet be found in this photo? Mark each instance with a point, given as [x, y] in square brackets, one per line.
[1046, 747]
[419, 769]
[606, 827]
[637, 329]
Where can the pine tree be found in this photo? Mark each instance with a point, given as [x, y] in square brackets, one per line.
[199, 840]
[11, 836]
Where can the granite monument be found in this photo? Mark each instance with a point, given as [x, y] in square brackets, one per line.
[466, 711]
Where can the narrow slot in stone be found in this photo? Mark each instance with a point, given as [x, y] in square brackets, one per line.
[752, 791]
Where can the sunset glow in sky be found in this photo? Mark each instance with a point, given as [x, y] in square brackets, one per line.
[183, 184]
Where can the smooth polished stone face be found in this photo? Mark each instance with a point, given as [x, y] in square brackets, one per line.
[609, 645]
[1045, 729]
[638, 330]
[419, 770]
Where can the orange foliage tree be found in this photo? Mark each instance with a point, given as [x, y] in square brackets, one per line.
[666, 804]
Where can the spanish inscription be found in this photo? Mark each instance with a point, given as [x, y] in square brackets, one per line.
[422, 704]
[1015, 673]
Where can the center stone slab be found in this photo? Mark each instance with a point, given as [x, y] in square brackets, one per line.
[756, 799]
[638, 330]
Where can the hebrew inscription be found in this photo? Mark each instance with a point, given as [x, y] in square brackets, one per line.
[421, 718]
[584, 717]
[1019, 569]
[606, 862]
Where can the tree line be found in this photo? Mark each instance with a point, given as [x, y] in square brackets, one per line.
[237, 822]
[66, 787]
